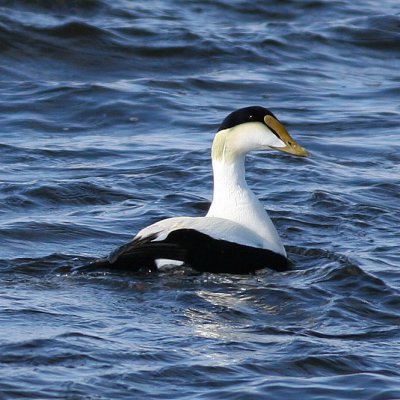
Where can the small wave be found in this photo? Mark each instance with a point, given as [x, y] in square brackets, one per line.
[57, 235]
[43, 352]
[375, 32]
[79, 193]
[61, 7]
[74, 29]
[42, 265]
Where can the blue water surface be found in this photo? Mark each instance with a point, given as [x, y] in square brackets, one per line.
[107, 113]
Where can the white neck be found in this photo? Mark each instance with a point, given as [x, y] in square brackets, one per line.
[233, 200]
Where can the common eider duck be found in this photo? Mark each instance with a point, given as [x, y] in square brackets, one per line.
[236, 235]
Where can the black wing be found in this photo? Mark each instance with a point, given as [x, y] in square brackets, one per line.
[196, 249]
[142, 253]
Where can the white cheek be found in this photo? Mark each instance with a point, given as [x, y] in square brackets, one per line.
[249, 137]
[275, 142]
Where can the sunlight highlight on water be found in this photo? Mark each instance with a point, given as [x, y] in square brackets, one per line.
[108, 110]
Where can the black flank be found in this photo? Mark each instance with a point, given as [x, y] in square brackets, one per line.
[196, 249]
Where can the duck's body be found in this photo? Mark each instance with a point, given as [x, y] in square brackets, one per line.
[236, 235]
[234, 201]
[205, 243]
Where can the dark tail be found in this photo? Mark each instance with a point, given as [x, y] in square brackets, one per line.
[135, 256]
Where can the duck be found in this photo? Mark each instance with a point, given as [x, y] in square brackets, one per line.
[236, 235]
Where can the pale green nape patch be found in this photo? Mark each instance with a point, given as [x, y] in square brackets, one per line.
[218, 146]
[220, 149]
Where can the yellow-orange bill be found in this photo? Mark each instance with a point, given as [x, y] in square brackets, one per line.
[292, 147]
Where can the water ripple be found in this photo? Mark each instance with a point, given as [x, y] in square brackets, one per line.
[107, 113]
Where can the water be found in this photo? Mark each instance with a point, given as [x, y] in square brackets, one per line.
[107, 112]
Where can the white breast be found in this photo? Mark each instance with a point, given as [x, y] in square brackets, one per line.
[217, 228]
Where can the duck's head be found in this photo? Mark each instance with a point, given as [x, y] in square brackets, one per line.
[252, 128]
